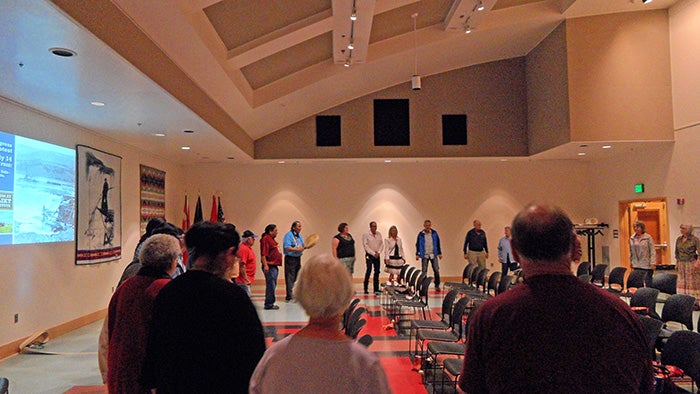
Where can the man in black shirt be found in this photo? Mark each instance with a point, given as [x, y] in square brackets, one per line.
[476, 249]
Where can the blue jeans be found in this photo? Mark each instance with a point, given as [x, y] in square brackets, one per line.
[435, 262]
[270, 285]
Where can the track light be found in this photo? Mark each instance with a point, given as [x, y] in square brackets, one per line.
[351, 46]
[468, 30]
[347, 63]
[646, 1]
[480, 6]
[353, 16]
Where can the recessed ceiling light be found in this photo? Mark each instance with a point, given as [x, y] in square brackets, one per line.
[97, 103]
[607, 146]
[387, 161]
[159, 135]
[581, 154]
[583, 146]
[280, 162]
[185, 148]
[504, 159]
[230, 157]
[63, 52]
[188, 131]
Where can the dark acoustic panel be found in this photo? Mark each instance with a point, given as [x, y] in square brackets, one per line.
[328, 130]
[454, 129]
[391, 123]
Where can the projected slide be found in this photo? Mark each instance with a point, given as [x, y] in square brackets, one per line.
[37, 191]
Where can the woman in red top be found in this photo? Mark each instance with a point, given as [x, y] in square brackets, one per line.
[271, 260]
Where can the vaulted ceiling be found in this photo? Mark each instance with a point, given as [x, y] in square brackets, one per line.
[234, 71]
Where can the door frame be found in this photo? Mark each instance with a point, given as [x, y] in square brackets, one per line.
[624, 209]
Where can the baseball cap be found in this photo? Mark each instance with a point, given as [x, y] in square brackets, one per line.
[248, 234]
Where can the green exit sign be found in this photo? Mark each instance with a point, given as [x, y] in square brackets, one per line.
[639, 188]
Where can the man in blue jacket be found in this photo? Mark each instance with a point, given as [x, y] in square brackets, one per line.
[428, 250]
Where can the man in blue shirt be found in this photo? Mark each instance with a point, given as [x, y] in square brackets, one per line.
[293, 246]
[428, 250]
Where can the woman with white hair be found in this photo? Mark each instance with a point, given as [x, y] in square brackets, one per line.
[687, 264]
[320, 358]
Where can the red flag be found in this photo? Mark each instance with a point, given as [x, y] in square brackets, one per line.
[220, 213]
[214, 213]
[186, 220]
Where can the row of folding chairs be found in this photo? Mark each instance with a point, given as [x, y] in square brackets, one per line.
[353, 322]
[403, 301]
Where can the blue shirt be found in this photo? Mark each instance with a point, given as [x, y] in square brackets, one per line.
[504, 251]
[292, 240]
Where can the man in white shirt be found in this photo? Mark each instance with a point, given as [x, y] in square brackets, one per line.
[373, 244]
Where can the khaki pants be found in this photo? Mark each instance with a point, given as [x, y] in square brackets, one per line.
[477, 257]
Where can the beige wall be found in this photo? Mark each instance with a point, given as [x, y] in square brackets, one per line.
[619, 77]
[547, 93]
[492, 96]
[41, 282]
[451, 193]
[685, 60]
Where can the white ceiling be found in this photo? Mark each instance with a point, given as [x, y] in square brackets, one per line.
[137, 108]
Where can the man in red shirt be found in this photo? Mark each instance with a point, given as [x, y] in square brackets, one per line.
[247, 256]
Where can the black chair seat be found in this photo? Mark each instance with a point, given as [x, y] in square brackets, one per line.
[429, 324]
[453, 348]
[436, 335]
[454, 366]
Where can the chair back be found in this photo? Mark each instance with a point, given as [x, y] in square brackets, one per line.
[636, 279]
[355, 328]
[348, 312]
[414, 277]
[467, 272]
[683, 351]
[666, 282]
[4, 386]
[493, 283]
[365, 340]
[447, 304]
[409, 274]
[424, 288]
[598, 274]
[679, 308]
[355, 317]
[402, 273]
[475, 275]
[646, 297]
[617, 277]
[458, 314]
[585, 278]
[583, 269]
[481, 279]
[652, 328]
[504, 283]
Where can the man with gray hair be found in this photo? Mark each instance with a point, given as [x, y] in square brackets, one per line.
[554, 333]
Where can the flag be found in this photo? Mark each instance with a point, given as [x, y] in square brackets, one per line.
[220, 213]
[186, 220]
[214, 213]
[198, 217]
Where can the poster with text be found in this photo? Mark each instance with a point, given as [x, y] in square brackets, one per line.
[98, 234]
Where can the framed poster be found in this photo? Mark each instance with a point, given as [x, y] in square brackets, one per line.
[99, 228]
[152, 195]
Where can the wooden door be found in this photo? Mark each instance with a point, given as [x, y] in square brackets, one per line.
[654, 216]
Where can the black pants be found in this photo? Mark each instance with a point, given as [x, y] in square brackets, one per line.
[372, 261]
[292, 265]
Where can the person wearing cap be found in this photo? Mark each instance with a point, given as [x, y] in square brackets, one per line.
[205, 336]
[246, 274]
[570, 336]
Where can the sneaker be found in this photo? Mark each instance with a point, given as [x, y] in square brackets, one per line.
[366, 292]
[377, 293]
[437, 289]
[273, 307]
[389, 283]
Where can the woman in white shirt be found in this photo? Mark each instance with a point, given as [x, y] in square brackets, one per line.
[394, 257]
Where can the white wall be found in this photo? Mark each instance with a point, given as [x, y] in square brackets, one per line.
[41, 282]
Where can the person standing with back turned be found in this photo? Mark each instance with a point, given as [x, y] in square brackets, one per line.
[554, 333]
